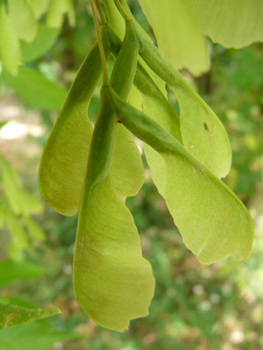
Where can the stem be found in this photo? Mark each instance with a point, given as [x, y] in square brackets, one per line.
[121, 9]
[101, 13]
[106, 81]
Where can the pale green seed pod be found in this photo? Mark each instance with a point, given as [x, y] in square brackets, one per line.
[113, 283]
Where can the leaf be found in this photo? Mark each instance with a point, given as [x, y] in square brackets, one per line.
[18, 234]
[233, 24]
[3, 123]
[10, 188]
[38, 7]
[45, 39]
[20, 201]
[178, 36]
[38, 335]
[113, 283]
[9, 43]
[36, 89]
[2, 216]
[203, 134]
[30, 205]
[213, 222]
[11, 271]
[18, 301]
[34, 230]
[64, 159]
[13, 316]
[15, 252]
[56, 11]
[23, 19]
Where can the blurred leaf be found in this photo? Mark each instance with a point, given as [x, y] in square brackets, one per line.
[23, 19]
[30, 205]
[178, 36]
[12, 315]
[18, 301]
[3, 123]
[2, 217]
[57, 10]
[15, 252]
[34, 230]
[11, 187]
[36, 89]
[235, 23]
[38, 6]
[37, 335]
[11, 271]
[42, 43]
[20, 201]
[9, 43]
[18, 234]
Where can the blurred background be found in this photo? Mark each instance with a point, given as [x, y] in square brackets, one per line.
[195, 307]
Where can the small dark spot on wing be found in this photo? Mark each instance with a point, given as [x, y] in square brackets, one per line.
[206, 127]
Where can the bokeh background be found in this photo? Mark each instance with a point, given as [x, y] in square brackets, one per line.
[194, 307]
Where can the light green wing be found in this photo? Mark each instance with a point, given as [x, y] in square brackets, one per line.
[213, 222]
[233, 24]
[178, 34]
[113, 283]
[127, 173]
[64, 159]
[204, 136]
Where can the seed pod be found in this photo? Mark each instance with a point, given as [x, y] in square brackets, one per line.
[213, 222]
[127, 173]
[113, 283]
[155, 105]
